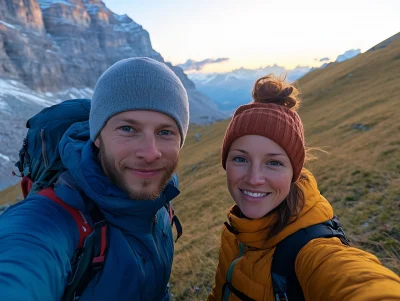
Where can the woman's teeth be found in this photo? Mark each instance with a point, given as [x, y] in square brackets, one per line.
[254, 194]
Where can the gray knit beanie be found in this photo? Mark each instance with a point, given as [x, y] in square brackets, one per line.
[138, 83]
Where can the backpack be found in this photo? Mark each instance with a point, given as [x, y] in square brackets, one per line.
[41, 169]
[284, 280]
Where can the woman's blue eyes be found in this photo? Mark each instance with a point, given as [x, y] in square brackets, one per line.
[275, 163]
[272, 162]
[239, 159]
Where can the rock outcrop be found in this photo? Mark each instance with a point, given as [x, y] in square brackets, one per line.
[53, 50]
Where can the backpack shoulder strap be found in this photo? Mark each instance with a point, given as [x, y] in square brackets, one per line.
[90, 255]
[84, 227]
[174, 220]
[89, 266]
[171, 192]
[285, 283]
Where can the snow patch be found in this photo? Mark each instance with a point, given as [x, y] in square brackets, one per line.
[4, 107]
[126, 27]
[92, 8]
[8, 24]
[22, 92]
[47, 3]
[122, 18]
[4, 157]
[88, 90]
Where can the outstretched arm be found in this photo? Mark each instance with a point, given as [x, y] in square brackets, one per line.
[329, 270]
[38, 238]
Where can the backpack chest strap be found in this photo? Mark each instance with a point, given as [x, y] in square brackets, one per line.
[228, 288]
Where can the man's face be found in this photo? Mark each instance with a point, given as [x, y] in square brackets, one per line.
[139, 152]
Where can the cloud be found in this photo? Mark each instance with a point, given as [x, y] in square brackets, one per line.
[198, 65]
[325, 59]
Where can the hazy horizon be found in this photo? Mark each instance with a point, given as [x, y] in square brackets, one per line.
[261, 33]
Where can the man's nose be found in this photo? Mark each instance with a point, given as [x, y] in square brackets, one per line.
[148, 150]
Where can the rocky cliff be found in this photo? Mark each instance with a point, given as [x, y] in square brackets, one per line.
[54, 50]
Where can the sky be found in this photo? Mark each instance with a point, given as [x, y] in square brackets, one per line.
[256, 33]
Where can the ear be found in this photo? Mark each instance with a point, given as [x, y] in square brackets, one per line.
[97, 141]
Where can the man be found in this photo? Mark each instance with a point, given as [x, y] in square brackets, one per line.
[138, 122]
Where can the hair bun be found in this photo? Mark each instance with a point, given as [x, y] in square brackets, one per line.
[271, 89]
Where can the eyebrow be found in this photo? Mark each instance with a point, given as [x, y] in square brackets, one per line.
[128, 120]
[267, 154]
[135, 122]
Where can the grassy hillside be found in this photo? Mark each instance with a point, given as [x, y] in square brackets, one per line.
[10, 195]
[351, 110]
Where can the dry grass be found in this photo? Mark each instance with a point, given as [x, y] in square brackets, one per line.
[360, 175]
[10, 195]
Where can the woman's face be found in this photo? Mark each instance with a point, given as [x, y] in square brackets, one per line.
[259, 175]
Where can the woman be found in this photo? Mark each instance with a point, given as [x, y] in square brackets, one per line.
[263, 154]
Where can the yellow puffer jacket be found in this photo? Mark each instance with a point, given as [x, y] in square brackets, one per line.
[325, 268]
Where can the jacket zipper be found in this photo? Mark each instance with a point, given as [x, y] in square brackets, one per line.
[143, 291]
[44, 153]
[159, 250]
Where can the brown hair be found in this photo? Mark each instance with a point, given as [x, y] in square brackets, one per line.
[289, 208]
[272, 89]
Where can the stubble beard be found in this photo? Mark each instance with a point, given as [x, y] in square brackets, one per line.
[117, 178]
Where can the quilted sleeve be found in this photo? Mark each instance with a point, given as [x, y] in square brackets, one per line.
[38, 238]
[329, 270]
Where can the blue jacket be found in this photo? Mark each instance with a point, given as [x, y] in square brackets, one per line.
[38, 237]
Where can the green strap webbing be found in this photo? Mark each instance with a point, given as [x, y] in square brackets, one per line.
[227, 291]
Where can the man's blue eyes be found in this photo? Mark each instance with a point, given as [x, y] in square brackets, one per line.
[165, 132]
[126, 128]
[129, 129]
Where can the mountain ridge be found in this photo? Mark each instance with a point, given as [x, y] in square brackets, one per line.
[55, 50]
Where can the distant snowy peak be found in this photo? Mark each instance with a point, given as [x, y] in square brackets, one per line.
[348, 55]
[242, 74]
[215, 79]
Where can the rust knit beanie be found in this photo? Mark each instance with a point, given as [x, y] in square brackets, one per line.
[276, 122]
